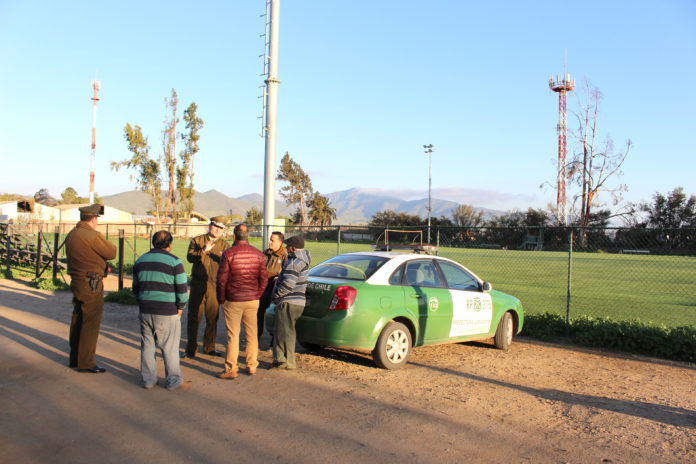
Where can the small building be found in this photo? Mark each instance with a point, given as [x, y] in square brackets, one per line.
[27, 211]
[71, 213]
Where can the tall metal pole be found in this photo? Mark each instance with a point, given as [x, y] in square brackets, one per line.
[429, 151]
[270, 128]
[95, 85]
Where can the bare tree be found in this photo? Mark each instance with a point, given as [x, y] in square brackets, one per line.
[597, 162]
[169, 152]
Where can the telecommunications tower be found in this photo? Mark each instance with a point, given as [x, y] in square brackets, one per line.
[95, 85]
[562, 86]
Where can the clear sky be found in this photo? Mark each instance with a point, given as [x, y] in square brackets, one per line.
[364, 85]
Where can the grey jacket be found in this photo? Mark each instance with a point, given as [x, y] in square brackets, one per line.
[292, 281]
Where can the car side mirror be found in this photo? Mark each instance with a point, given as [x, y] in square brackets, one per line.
[486, 287]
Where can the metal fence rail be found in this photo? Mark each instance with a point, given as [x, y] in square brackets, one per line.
[620, 273]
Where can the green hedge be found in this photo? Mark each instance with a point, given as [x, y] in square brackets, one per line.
[678, 343]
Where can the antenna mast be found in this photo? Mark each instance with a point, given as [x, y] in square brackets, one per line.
[270, 105]
[95, 85]
[562, 86]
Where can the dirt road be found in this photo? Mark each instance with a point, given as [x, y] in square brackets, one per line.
[451, 403]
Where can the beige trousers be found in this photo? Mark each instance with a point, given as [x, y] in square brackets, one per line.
[236, 313]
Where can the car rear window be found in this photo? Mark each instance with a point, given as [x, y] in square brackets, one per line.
[353, 267]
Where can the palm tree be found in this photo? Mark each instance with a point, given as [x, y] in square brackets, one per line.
[320, 211]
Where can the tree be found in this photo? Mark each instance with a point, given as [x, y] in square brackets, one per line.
[169, 152]
[148, 170]
[299, 186]
[671, 212]
[254, 216]
[597, 162]
[70, 197]
[188, 155]
[466, 216]
[45, 198]
[392, 219]
[320, 211]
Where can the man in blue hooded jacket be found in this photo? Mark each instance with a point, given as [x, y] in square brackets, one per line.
[289, 299]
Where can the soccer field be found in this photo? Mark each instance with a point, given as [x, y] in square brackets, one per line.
[654, 289]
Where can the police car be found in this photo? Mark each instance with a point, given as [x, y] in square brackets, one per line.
[389, 302]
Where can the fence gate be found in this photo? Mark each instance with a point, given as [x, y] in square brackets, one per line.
[22, 250]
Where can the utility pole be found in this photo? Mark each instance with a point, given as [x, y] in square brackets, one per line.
[95, 85]
[271, 111]
[429, 151]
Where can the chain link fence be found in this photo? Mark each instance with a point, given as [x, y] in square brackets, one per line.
[620, 273]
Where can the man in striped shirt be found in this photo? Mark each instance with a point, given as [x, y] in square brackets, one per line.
[159, 284]
[289, 298]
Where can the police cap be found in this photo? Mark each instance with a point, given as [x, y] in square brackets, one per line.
[217, 222]
[92, 210]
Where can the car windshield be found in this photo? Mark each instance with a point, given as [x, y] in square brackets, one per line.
[354, 267]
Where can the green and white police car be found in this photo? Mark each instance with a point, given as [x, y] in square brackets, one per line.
[389, 302]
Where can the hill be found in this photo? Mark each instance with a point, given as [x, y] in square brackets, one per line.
[353, 206]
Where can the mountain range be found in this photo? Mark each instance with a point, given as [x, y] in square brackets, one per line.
[353, 206]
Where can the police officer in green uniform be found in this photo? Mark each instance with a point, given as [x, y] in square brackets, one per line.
[204, 252]
[87, 251]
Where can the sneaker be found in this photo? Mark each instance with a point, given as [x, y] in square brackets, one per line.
[227, 375]
[185, 385]
[252, 371]
[279, 365]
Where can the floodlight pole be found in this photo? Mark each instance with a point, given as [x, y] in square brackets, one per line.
[270, 126]
[429, 151]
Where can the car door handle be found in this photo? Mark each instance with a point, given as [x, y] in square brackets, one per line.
[415, 295]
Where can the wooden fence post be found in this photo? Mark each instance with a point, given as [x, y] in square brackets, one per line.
[56, 239]
[9, 247]
[38, 255]
[120, 258]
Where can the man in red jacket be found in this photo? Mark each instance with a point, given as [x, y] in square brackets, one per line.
[241, 280]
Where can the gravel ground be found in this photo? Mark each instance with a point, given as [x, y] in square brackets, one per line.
[466, 402]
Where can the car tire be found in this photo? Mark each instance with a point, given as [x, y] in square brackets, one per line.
[310, 347]
[393, 346]
[503, 335]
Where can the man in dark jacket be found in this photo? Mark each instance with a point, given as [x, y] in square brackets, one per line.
[204, 252]
[241, 280]
[289, 299]
[159, 284]
[87, 251]
[276, 257]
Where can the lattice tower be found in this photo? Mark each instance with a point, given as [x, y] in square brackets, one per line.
[562, 86]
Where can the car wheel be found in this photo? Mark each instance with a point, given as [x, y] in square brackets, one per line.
[393, 346]
[310, 346]
[503, 335]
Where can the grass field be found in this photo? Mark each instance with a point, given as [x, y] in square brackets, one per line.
[653, 289]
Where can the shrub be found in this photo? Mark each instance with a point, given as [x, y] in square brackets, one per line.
[547, 326]
[125, 296]
[678, 343]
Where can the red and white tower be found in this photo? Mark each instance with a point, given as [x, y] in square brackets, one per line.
[95, 85]
[562, 86]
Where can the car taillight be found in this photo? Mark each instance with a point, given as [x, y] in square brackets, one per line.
[343, 297]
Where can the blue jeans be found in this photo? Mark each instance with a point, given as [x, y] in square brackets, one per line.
[163, 332]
